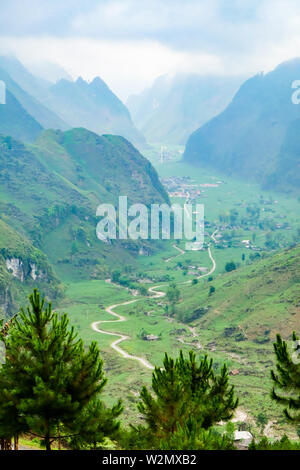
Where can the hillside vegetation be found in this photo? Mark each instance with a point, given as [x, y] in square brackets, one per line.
[257, 300]
[50, 191]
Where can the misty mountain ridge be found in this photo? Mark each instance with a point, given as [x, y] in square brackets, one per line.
[92, 105]
[68, 103]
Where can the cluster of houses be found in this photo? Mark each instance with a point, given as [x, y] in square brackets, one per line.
[182, 187]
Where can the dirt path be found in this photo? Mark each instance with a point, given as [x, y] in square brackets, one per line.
[121, 338]
[120, 318]
[181, 252]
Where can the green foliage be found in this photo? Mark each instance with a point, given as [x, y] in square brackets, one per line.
[230, 266]
[173, 295]
[212, 289]
[186, 437]
[49, 382]
[283, 444]
[286, 378]
[261, 421]
[185, 388]
[187, 317]
[94, 425]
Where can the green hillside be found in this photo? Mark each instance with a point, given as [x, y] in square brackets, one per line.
[106, 165]
[257, 301]
[49, 193]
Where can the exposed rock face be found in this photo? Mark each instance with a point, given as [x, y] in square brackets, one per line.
[18, 270]
[15, 266]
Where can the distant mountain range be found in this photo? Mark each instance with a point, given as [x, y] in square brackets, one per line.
[174, 107]
[32, 106]
[93, 106]
[257, 136]
[66, 104]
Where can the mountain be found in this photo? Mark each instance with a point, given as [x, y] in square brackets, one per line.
[105, 166]
[67, 104]
[248, 138]
[49, 192]
[174, 107]
[33, 85]
[38, 111]
[93, 106]
[286, 173]
[15, 120]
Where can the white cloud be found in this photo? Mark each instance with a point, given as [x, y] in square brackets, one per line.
[126, 66]
[130, 42]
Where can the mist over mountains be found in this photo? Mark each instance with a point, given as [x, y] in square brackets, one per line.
[256, 136]
[175, 106]
[67, 104]
[92, 105]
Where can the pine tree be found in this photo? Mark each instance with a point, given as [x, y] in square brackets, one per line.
[49, 377]
[94, 424]
[191, 437]
[11, 424]
[185, 388]
[286, 390]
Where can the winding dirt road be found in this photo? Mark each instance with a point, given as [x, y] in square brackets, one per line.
[121, 338]
[120, 318]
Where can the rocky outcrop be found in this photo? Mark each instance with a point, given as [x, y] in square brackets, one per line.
[15, 266]
[18, 269]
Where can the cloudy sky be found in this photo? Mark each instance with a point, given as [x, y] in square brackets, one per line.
[131, 42]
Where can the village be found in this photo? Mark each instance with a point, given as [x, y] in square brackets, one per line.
[185, 187]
